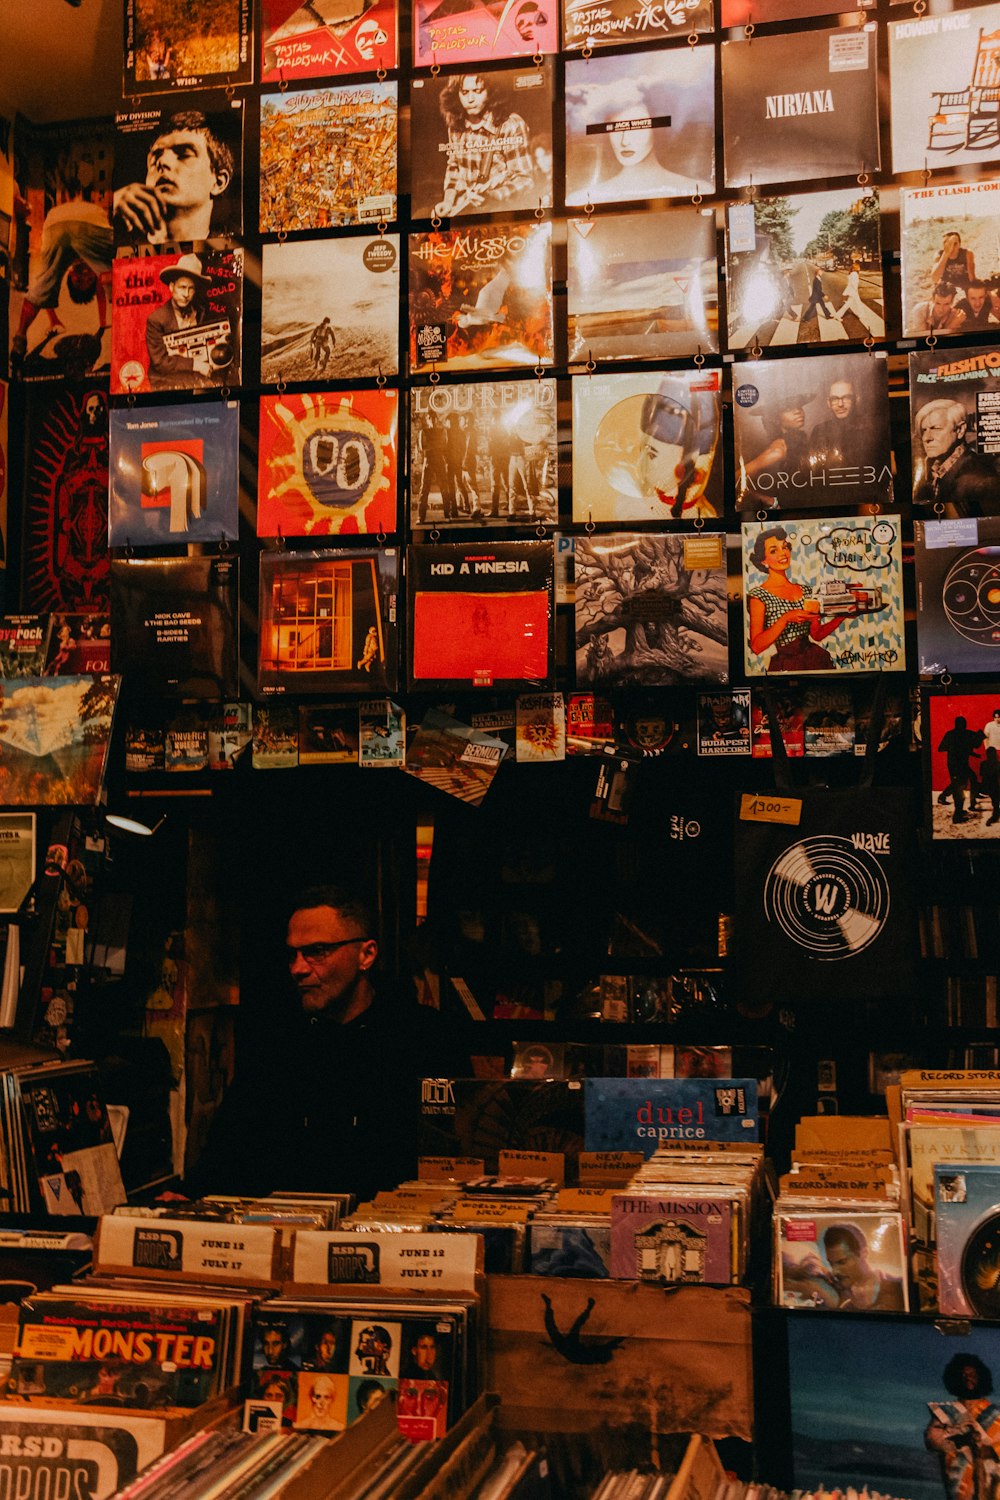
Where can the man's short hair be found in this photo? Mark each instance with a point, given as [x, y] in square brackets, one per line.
[844, 1234]
[219, 154]
[975, 281]
[945, 289]
[349, 903]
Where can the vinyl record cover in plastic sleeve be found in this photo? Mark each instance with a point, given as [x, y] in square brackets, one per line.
[178, 171]
[447, 32]
[330, 305]
[967, 1214]
[955, 429]
[942, 69]
[847, 1260]
[962, 752]
[55, 738]
[673, 1239]
[743, 12]
[482, 1117]
[602, 23]
[327, 39]
[178, 320]
[171, 47]
[174, 474]
[724, 723]
[948, 246]
[958, 595]
[635, 1114]
[175, 625]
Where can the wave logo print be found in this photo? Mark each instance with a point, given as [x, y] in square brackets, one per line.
[827, 897]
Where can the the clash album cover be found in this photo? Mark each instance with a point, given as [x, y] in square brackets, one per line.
[950, 253]
[642, 285]
[812, 433]
[330, 308]
[805, 268]
[327, 38]
[485, 142]
[481, 615]
[327, 463]
[175, 625]
[172, 45]
[801, 106]
[174, 474]
[941, 77]
[54, 738]
[178, 320]
[961, 733]
[646, 447]
[484, 453]
[958, 595]
[640, 127]
[955, 430]
[328, 156]
[823, 595]
[328, 621]
[602, 23]
[450, 33]
[66, 499]
[178, 171]
[651, 609]
[481, 297]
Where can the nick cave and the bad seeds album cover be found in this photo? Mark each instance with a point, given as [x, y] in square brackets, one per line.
[328, 621]
[452, 32]
[939, 67]
[174, 474]
[601, 23]
[175, 625]
[177, 320]
[955, 430]
[54, 738]
[324, 38]
[170, 45]
[330, 305]
[178, 172]
[950, 250]
[962, 744]
[958, 595]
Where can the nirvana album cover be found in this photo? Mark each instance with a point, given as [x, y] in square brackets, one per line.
[642, 286]
[805, 268]
[170, 46]
[646, 447]
[327, 463]
[450, 33]
[813, 1251]
[955, 430]
[327, 38]
[485, 142]
[823, 595]
[603, 23]
[640, 126]
[54, 739]
[482, 452]
[967, 1216]
[961, 735]
[941, 72]
[178, 172]
[330, 303]
[178, 320]
[175, 625]
[174, 474]
[66, 499]
[812, 433]
[958, 595]
[481, 297]
[743, 12]
[949, 239]
[801, 106]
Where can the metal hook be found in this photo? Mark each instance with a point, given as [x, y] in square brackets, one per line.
[699, 523]
[589, 526]
[223, 543]
[434, 376]
[698, 197]
[380, 379]
[586, 52]
[699, 358]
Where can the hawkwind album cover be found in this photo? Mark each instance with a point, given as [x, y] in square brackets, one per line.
[800, 106]
[328, 621]
[54, 739]
[334, 300]
[958, 595]
[484, 452]
[170, 45]
[175, 625]
[65, 525]
[966, 1219]
[447, 32]
[949, 238]
[955, 430]
[328, 156]
[481, 297]
[485, 142]
[823, 595]
[178, 171]
[805, 268]
[640, 126]
[174, 474]
[327, 463]
[942, 80]
[602, 23]
[811, 433]
[646, 447]
[961, 734]
[177, 320]
[642, 285]
[327, 38]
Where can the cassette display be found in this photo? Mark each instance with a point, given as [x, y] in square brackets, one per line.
[323, 38]
[174, 474]
[178, 320]
[178, 172]
[941, 68]
[955, 430]
[950, 264]
[958, 595]
[330, 304]
[962, 746]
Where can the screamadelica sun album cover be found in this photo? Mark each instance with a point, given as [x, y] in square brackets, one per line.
[174, 474]
[330, 304]
[177, 320]
[178, 171]
[325, 38]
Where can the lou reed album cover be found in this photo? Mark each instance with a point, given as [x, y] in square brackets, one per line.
[328, 305]
[177, 320]
[950, 252]
[170, 47]
[174, 474]
[602, 23]
[941, 71]
[178, 171]
[326, 38]
[955, 430]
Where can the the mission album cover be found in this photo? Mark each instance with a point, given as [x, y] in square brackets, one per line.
[177, 320]
[325, 38]
[955, 429]
[958, 595]
[178, 171]
[455, 32]
[938, 70]
[175, 625]
[174, 474]
[171, 47]
[330, 306]
[949, 239]
[961, 735]
[602, 23]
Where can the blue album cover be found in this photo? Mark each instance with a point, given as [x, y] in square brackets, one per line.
[635, 1114]
[174, 474]
[967, 1204]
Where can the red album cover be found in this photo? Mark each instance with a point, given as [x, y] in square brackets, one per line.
[327, 38]
[176, 322]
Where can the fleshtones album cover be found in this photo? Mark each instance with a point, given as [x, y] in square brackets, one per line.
[646, 447]
[454, 32]
[170, 47]
[640, 126]
[174, 474]
[324, 38]
[175, 625]
[958, 595]
[942, 69]
[955, 430]
[602, 23]
[483, 452]
[961, 735]
[330, 305]
[800, 106]
[643, 285]
[805, 268]
[54, 739]
[178, 172]
[327, 464]
[950, 252]
[177, 320]
[328, 621]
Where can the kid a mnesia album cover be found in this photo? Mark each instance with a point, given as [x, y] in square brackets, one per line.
[174, 474]
[171, 46]
[602, 23]
[177, 320]
[455, 32]
[949, 239]
[961, 734]
[330, 305]
[955, 430]
[941, 68]
[325, 38]
[178, 171]
[328, 621]
[958, 595]
[175, 625]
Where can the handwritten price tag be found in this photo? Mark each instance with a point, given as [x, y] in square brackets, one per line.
[766, 809]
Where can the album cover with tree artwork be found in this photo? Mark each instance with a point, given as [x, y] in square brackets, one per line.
[325, 38]
[55, 733]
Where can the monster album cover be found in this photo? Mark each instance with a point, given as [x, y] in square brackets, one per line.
[961, 735]
[330, 307]
[175, 626]
[942, 84]
[958, 595]
[178, 320]
[603, 23]
[455, 32]
[174, 474]
[171, 46]
[66, 500]
[327, 38]
[54, 739]
[955, 430]
[967, 1212]
[178, 172]
[950, 266]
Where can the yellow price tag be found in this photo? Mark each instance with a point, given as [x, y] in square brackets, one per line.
[769, 808]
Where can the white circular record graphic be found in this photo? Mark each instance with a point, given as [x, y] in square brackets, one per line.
[827, 897]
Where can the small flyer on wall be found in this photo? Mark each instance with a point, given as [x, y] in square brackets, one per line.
[724, 723]
[178, 172]
[170, 46]
[603, 23]
[177, 320]
[174, 474]
[450, 33]
[950, 260]
[940, 70]
[323, 38]
[328, 157]
[330, 304]
[955, 430]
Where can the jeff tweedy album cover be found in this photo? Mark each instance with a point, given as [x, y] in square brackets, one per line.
[484, 452]
[640, 126]
[175, 625]
[328, 156]
[955, 430]
[642, 285]
[823, 595]
[328, 621]
[54, 738]
[958, 595]
[485, 142]
[805, 268]
[178, 171]
[170, 47]
[646, 447]
[942, 69]
[326, 38]
[967, 1209]
[455, 32]
[327, 463]
[801, 106]
[850, 1260]
[481, 297]
[812, 433]
[177, 320]
[174, 474]
[330, 305]
[950, 252]
[602, 23]
[962, 745]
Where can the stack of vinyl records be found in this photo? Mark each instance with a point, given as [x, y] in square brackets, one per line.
[289, 1210]
[58, 1154]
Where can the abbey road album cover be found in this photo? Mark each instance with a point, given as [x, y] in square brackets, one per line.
[955, 430]
[175, 625]
[962, 748]
[642, 285]
[327, 463]
[326, 38]
[603, 23]
[800, 106]
[939, 67]
[950, 254]
[330, 304]
[171, 47]
[177, 320]
[328, 621]
[450, 33]
[646, 447]
[485, 142]
[178, 171]
[958, 595]
[174, 474]
[805, 268]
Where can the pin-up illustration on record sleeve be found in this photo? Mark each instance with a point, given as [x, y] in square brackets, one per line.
[178, 172]
[328, 621]
[799, 107]
[943, 72]
[962, 747]
[455, 32]
[175, 625]
[170, 46]
[958, 595]
[177, 321]
[950, 251]
[640, 126]
[330, 307]
[174, 474]
[602, 23]
[327, 38]
[955, 430]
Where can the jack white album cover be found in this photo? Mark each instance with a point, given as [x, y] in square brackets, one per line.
[456, 32]
[171, 46]
[327, 38]
[950, 253]
[602, 23]
[174, 474]
[178, 172]
[958, 595]
[177, 320]
[942, 81]
[330, 305]
[955, 430]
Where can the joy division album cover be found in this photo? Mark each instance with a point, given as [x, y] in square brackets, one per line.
[328, 156]
[941, 69]
[174, 474]
[643, 285]
[453, 32]
[805, 268]
[602, 23]
[66, 499]
[801, 106]
[330, 305]
[962, 744]
[635, 1114]
[742, 12]
[178, 172]
[327, 464]
[823, 595]
[812, 433]
[481, 297]
[838, 1261]
[175, 625]
[967, 1207]
[483, 452]
[640, 126]
[170, 46]
[454, 757]
[724, 723]
[955, 430]
[950, 261]
[481, 615]
[328, 621]
[326, 38]
[958, 595]
[485, 142]
[651, 609]
[177, 320]
[54, 738]
[646, 447]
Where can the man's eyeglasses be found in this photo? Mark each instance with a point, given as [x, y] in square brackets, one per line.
[315, 953]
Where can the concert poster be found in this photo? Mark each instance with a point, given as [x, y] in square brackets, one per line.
[940, 120]
[327, 38]
[603, 23]
[175, 625]
[454, 32]
[962, 761]
[724, 723]
[177, 320]
[801, 106]
[646, 447]
[958, 595]
[330, 305]
[955, 430]
[65, 557]
[640, 126]
[178, 171]
[950, 254]
[174, 474]
[54, 739]
[170, 47]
